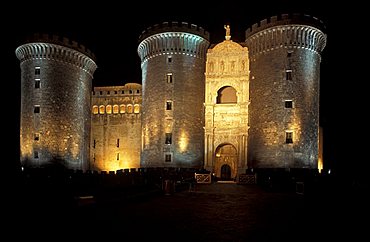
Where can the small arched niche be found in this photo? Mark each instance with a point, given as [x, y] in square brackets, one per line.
[226, 94]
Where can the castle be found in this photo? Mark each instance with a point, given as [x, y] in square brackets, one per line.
[224, 107]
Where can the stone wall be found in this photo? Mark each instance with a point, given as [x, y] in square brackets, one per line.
[116, 127]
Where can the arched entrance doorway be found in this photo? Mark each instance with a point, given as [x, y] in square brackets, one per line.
[226, 162]
[225, 172]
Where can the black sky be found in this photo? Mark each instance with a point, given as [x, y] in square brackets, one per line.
[111, 31]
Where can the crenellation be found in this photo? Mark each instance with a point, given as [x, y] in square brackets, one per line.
[264, 22]
[62, 41]
[286, 36]
[170, 39]
[283, 16]
[45, 50]
[286, 19]
[129, 89]
[273, 19]
[174, 27]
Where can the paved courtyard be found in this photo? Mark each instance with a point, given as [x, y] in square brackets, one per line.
[208, 212]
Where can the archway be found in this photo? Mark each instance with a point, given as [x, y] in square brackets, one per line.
[226, 162]
[226, 94]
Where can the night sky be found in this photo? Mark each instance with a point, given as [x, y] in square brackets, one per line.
[112, 30]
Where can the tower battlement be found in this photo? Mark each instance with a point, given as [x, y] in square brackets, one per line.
[285, 19]
[174, 26]
[54, 47]
[59, 40]
[288, 31]
[173, 38]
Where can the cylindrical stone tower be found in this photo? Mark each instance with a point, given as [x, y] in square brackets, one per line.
[173, 57]
[284, 54]
[56, 86]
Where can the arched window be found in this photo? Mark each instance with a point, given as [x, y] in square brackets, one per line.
[226, 95]
[95, 109]
[101, 109]
[129, 108]
[137, 108]
[122, 108]
[108, 109]
[115, 109]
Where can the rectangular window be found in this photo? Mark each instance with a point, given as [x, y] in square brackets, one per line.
[288, 74]
[117, 142]
[169, 105]
[288, 104]
[36, 154]
[289, 54]
[36, 109]
[289, 137]
[169, 59]
[117, 156]
[37, 83]
[168, 138]
[37, 136]
[169, 77]
[94, 144]
[37, 70]
[167, 157]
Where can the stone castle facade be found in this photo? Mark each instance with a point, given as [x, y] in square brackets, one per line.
[224, 107]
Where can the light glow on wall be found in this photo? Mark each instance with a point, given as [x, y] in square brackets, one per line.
[320, 162]
[75, 150]
[183, 141]
[320, 165]
[296, 127]
[112, 164]
[26, 148]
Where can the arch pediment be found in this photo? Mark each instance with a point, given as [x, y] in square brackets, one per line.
[227, 46]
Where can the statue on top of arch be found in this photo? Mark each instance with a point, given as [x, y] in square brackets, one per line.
[228, 35]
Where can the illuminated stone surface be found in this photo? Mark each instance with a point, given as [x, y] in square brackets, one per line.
[226, 108]
[178, 49]
[278, 46]
[116, 135]
[62, 121]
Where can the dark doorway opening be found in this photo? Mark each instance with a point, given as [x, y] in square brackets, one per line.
[225, 172]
